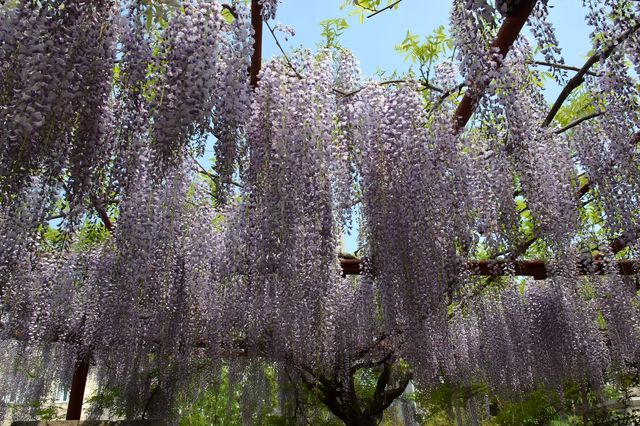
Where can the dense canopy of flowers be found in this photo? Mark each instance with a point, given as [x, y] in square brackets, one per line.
[102, 115]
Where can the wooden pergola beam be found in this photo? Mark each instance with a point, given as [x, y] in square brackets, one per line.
[537, 269]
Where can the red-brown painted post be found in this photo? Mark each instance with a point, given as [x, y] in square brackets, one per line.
[256, 59]
[78, 384]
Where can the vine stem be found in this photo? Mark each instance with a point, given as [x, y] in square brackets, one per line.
[578, 79]
[391, 6]
[284, 54]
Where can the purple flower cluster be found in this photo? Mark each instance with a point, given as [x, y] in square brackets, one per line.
[269, 8]
[55, 80]
[233, 98]
[548, 335]
[189, 67]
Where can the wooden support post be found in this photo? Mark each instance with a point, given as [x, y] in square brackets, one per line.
[78, 384]
[256, 59]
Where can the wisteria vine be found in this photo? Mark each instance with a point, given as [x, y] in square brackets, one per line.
[102, 113]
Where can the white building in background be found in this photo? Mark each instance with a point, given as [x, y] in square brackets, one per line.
[57, 404]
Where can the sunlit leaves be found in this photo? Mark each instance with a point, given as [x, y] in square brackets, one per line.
[426, 52]
[332, 29]
[367, 8]
[157, 12]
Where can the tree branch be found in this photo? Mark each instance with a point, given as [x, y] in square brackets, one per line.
[383, 380]
[578, 79]
[383, 398]
[507, 34]
[203, 171]
[231, 10]
[391, 6]
[625, 240]
[449, 92]
[102, 212]
[324, 394]
[578, 122]
[392, 394]
[286, 57]
[521, 249]
[370, 363]
[575, 82]
[425, 85]
[561, 66]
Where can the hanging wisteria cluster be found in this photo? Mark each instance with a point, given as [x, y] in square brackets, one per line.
[287, 291]
[103, 113]
[547, 335]
[56, 77]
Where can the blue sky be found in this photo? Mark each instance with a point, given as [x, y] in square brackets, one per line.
[373, 41]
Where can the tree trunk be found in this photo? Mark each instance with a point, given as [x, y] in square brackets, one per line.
[357, 419]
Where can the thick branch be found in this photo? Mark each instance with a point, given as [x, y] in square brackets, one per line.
[383, 398]
[389, 396]
[371, 362]
[507, 34]
[521, 249]
[625, 240]
[325, 394]
[104, 216]
[377, 341]
[383, 380]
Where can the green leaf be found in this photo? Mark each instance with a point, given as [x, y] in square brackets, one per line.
[332, 29]
[228, 16]
[149, 18]
[426, 53]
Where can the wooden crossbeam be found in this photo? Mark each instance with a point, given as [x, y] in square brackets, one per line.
[537, 269]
